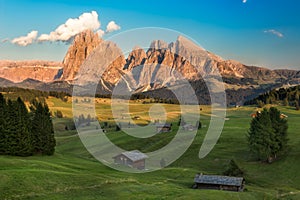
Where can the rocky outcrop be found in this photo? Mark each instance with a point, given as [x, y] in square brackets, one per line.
[18, 71]
[136, 57]
[158, 44]
[105, 64]
[82, 46]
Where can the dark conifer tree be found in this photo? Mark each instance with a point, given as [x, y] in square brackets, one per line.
[260, 136]
[3, 120]
[50, 139]
[233, 169]
[42, 130]
[23, 129]
[11, 129]
[280, 127]
[267, 136]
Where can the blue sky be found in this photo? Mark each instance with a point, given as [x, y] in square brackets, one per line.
[257, 32]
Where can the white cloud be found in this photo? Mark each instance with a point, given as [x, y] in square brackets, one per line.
[25, 40]
[100, 33]
[67, 31]
[72, 27]
[245, 1]
[112, 26]
[274, 32]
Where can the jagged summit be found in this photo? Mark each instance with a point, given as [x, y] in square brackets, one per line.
[158, 44]
[187, 44]
[162, 65]
[83, 44]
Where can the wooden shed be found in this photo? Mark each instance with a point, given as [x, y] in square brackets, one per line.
[134, 159]
[163, 128]
[219, 182]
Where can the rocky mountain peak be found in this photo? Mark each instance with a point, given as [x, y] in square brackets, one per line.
[104, 65]
[136, 57]
[158, 44]
[83, 44]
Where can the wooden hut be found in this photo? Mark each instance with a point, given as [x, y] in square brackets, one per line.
[163, 128]
[219, 182]
[134, 159]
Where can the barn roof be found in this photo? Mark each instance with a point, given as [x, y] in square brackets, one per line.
[134, 155]
[219, 180]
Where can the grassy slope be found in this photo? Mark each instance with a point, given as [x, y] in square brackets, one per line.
[73, 174]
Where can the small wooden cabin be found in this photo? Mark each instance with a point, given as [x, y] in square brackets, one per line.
[134, 159]
[163, 128]
[215, 182]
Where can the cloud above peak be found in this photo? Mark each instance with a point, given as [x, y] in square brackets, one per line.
[72, 27]
[26, 40]
[274, 32]
[68, 30]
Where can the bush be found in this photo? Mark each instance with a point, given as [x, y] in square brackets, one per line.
[233, 170]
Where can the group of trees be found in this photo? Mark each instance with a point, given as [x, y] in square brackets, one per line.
[82, 120]
[23, 132]
[31, 94]
[285, 96]
[267, 137]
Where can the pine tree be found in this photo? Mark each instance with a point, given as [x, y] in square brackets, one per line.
[51, 143]
[42, 129]
[280, 127]
[24, 145]
[36, 124]
[3, 120]
[267, 136]
[11, 129]
[233, 169]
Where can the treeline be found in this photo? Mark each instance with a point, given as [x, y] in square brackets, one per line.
[284, 96]
[24, 132]
[31, 94]
[148, 98]
[81, 120]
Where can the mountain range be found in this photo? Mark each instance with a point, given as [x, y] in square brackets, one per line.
[153, 71]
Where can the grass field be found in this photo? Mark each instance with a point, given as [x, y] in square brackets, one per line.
[72, 173]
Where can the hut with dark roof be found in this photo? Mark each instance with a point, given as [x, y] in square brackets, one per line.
[163, 128]
[134, 159]
[219, 182]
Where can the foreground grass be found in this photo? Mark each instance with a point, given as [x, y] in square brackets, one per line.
[72, 173]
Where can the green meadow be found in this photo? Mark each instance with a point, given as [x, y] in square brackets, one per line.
[72, 173]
